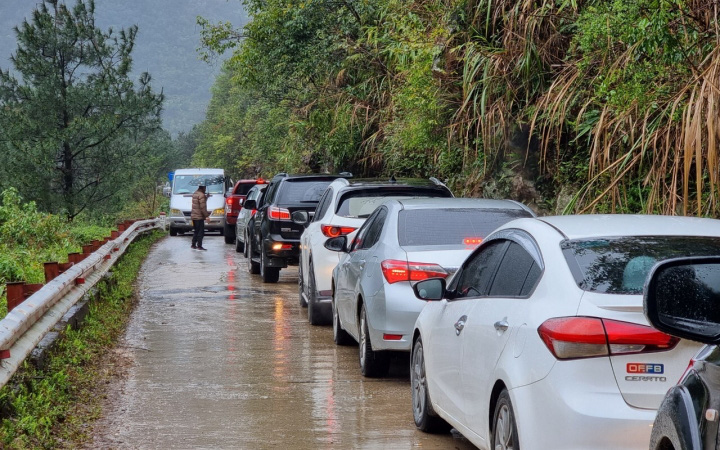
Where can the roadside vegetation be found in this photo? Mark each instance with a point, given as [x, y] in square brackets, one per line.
[573, 106]
[51, 408]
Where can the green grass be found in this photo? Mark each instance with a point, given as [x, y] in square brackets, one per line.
[51, 408]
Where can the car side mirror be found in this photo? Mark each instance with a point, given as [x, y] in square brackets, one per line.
[337, 244]
[301, 218]
[682, 298]
[250, 204]
[430, 289]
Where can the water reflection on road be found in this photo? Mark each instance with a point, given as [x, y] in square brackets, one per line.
[221, 360]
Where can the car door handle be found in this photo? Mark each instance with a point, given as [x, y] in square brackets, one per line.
[502, 325]
[459, 325]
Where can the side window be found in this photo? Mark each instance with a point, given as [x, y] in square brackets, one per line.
[477, 273]
[518, 273]
[323, 205]
[270, 192]
[372, 234]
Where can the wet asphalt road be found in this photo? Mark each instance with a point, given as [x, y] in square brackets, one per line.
[220, 360]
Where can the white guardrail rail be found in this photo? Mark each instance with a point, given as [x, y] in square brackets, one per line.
[27, 323]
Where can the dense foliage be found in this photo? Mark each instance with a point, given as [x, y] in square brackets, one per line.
[572, 105]
[28, 238]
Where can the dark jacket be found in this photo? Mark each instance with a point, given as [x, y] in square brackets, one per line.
[199, 206]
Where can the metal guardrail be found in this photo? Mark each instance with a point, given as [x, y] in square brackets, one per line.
[25, 326]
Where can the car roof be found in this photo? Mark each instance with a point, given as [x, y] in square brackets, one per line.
[281, 177]
[445, 203]
[375, 182]
[606, 225]
[199, 171]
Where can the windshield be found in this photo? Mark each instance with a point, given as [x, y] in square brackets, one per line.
[361, 203]
[457, 226]
[621, 265]
[187, 184]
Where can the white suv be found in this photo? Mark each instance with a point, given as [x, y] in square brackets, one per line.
[343, 208]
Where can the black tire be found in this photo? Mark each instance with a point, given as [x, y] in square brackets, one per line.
[372, 364]
[425, 417]
[303, 303]
[173, 231]
[229, 233]
[504, 432]
[316, 316]
[268, 274]
[239, 246]
[340, 336]
[253, 267]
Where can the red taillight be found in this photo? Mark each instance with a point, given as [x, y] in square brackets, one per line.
[252, 212]
[332, 231]
[228, 201]
[395, 270]
[276, 213]
[392, 337]
[588, 337]
[472, 241]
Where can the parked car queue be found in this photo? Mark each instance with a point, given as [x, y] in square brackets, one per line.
[524, 332]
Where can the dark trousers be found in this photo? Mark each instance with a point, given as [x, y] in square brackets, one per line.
[198, 232]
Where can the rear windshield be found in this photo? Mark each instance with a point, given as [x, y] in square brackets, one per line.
[621, 265]
[361, 203]
[294, 192]
[243, 188]
[451, 226]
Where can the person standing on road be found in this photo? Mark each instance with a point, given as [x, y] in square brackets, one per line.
[198, 215]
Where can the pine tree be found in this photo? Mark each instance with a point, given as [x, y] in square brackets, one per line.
[74, 122]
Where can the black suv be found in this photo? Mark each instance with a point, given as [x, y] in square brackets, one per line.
[274, 240]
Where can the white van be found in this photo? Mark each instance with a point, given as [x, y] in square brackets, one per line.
[185, 183]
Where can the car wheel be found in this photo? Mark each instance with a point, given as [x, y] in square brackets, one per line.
[239, 246]
[372, 364]
[425, 417]
[173, 231]
[253, 267]
[505, 434]
[268, 274]
[315, 312]
[229, 234]
[303, 303]
[340, 336]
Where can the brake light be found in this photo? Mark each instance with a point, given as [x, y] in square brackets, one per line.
[252, 212]
[332, 231]
[472, 241]
[396, 270]
[589, 337]
[276, 213]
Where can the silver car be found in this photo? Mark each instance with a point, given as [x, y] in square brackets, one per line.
[402, 242]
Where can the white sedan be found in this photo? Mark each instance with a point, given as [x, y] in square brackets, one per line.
[539, 340]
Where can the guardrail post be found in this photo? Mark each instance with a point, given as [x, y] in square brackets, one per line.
[15, 294]
[52, 270]
[114, 234]
[75, 257]
[30, 289]
[65, 266]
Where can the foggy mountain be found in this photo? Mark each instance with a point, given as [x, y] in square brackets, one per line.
[166, 45]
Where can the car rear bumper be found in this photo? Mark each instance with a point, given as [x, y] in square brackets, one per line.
[393, 311]
[281, 257]
[582, 408]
